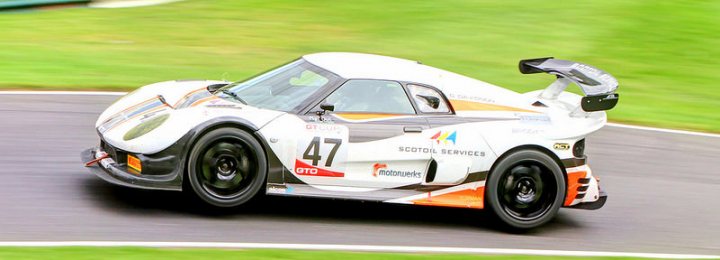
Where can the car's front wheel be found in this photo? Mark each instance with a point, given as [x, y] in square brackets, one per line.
[525, 189]
[227, 167]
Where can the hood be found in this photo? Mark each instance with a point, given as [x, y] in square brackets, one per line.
[141, 122]
[172, 91]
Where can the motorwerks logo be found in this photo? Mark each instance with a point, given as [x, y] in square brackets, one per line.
[377, 167]
[445, 137]
[380, 169]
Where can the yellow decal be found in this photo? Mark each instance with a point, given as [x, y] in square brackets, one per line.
[134, 163]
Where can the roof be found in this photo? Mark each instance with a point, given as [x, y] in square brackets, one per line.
[360, 65]
[370, 66]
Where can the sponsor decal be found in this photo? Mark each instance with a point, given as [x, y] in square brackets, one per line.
[470, 97]
[443, 151]
[534, 119]
[276, 189]
[324, 120]
[305, 169]
[332, 128]
[561, 146]
[445, 137]
[218, 103]
[381, 169]
[279, 189]
[442, 138]
[596, 73]
[527, 131]
[377, 167]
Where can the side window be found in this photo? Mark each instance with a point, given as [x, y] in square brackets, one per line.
[371, 96]
[428, 100]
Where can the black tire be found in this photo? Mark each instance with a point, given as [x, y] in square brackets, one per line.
[525, 189]
[227, 167]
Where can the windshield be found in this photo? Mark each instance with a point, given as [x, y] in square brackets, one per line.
[281, 89]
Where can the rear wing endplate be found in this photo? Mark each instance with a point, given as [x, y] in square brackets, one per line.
[599, 86]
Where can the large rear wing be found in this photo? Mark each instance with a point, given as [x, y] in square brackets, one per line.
[599, 86]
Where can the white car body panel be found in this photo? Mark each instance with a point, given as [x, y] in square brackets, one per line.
[490, 122]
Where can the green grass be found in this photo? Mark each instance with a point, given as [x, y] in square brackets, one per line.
[79, 253]
[664, 53]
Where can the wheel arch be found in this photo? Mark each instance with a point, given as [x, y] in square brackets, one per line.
[200, 130]
[538, 148]
[518, 224]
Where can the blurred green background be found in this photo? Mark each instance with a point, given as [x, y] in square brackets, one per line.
[664, 53]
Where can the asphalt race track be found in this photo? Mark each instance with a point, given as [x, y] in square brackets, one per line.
[664, 197]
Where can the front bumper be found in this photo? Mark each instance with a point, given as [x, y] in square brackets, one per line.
[112, 171]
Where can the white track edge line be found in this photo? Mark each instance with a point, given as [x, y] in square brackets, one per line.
[367, 248]
[107, 93]
[662, 130]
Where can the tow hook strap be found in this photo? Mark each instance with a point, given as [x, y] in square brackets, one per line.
[90, 163]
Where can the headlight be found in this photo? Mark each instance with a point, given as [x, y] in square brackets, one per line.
[145, 127]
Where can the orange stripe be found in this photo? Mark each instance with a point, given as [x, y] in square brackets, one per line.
[131, 107]
[139, 114]
[364, 116]
[187, 95]
[460, 199]
[203, 100]
[573, 185]
[464, 105]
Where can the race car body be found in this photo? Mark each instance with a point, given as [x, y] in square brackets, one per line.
[367, 127]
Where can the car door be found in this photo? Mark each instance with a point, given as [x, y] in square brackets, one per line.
[386, 146]
[459, 151]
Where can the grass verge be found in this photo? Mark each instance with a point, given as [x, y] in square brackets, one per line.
[663, 53]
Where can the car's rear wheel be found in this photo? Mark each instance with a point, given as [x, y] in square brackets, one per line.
[227, 167]
[525, 189]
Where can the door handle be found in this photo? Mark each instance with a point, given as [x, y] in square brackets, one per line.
[413, 129]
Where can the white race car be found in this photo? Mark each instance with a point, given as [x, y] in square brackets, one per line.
[365, 127]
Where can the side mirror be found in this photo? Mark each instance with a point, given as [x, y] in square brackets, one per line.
[327, 107]
[214, 87]
[432, 101]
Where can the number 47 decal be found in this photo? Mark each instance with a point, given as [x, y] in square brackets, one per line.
[314, 148]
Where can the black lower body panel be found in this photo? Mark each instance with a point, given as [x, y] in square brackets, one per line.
[115, 174]
[593, 205]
